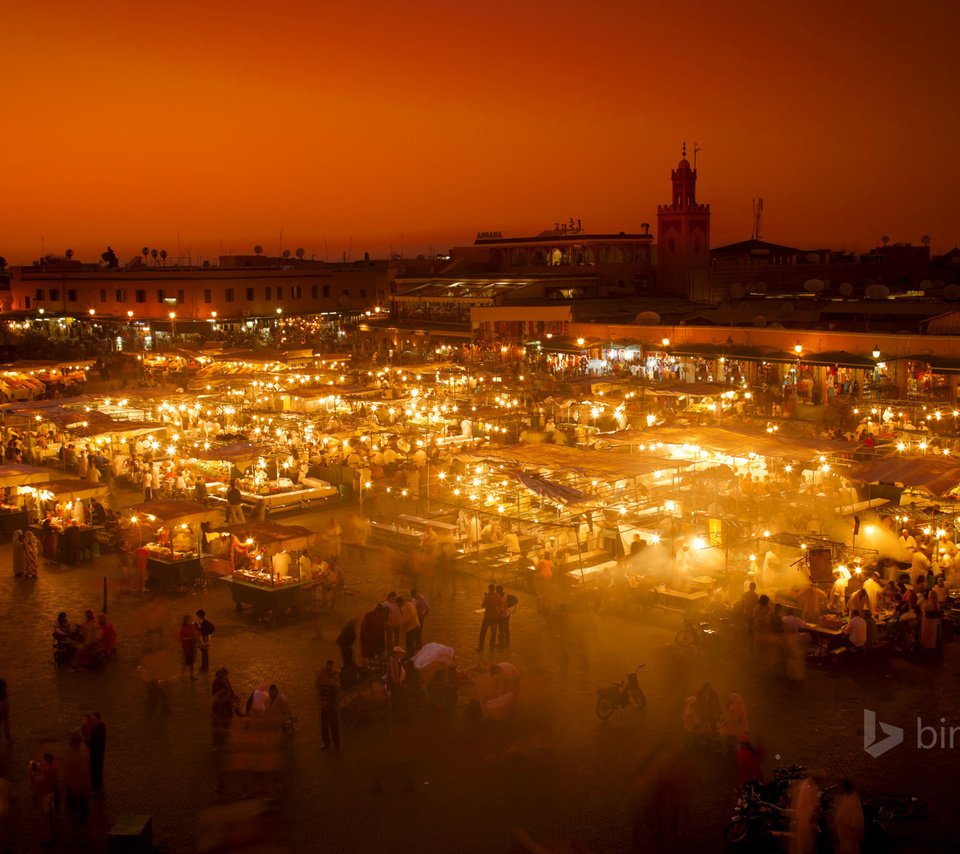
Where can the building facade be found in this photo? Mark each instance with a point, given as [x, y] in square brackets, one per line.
[228, 291]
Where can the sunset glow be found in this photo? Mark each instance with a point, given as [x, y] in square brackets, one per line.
[374, 126]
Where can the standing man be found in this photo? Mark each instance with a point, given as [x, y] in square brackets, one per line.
[206, 628]
[328, 690]
[345, 641]
[423, 608]
[491, 604]
[235, 504]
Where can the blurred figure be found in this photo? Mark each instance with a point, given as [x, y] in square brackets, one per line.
[189, 639]
[328, 692]
[848, 819]
[76, 779]
[806, 804]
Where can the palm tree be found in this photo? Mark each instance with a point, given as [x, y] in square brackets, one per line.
[257, 249]
[163, 256]
[153, 254]
[286, 253]
[145, 252]
[69, 254]
[300, 253]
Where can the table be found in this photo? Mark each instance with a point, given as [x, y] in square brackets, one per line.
[167, 575]
[823, 639]
[677, 600]
[590, 574]
[263, 597]
[13, 520]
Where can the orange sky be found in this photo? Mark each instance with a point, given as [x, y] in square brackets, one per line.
[428, 121]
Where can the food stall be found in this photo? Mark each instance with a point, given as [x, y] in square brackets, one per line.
[65, 505]
[14, 513]
[258, 488]
[267, 572]
[169, 535]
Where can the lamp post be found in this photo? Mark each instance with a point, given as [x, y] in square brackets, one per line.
[173, 325]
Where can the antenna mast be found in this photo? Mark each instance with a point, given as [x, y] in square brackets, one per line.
[757, 218]
[696, 148]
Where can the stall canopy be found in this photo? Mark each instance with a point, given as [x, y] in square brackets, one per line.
[241, 454]
[72, 488]
[18, 475]
[274, 538]
[599, 463]
[554, 491]
[738, 442]
[177, 512]
[936, 475]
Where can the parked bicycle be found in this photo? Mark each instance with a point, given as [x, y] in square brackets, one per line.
[621, 694]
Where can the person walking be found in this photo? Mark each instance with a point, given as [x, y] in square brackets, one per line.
[205, 628]
[5, 713]
[76, 779]
[423, 608]
[189, 639]
[490, 604]
[94, 732]
[328, 691]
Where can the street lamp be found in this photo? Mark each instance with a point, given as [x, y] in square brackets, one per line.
[92, 311]
[876, 351]
[798, 348]
[173, 324]
[665, 342]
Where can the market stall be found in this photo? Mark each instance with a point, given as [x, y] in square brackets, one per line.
[270, 568]
[69, 523]
[169, 536]
[16, 502]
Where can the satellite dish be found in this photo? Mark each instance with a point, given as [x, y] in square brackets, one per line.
[846, 289]
[759, 321]
[877, 292]
[814, 286]
[777, 326]
[343, 301]
[812, 257]
[786, 308]
[925, 240]
[647, 318]
[736, 291]
[951, 292]
[925, 285]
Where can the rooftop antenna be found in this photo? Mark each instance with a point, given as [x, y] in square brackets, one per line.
[696, 148]
[757, 218]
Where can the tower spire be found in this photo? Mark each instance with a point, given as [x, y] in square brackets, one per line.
[684, 149]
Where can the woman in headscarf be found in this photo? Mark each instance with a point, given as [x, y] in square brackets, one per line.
[19, 556]
[31, 554]
[735, 724]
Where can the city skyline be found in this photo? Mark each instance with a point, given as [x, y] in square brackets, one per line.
[376, 129]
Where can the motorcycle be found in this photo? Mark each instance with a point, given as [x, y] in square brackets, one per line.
[696, 632]
[763, 810]
[620, 694]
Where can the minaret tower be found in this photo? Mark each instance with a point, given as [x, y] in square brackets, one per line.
[683, 237]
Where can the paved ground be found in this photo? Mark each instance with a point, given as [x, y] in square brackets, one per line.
[558, 773]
